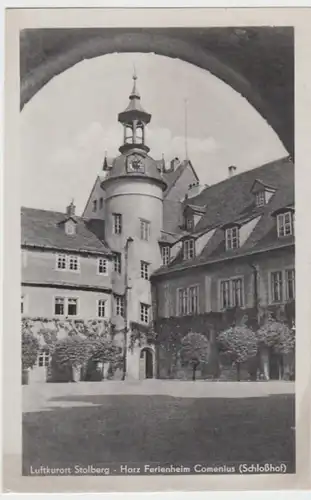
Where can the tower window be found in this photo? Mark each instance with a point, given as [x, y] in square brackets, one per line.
[117, 262]
[128, 135]
[144, 270]
[144, 229]
[119, 305]
[94, 205]
[101, 203]
[144, 313]
[117, 223]
[139, 133]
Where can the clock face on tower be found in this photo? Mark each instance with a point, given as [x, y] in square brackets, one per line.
[135, 163]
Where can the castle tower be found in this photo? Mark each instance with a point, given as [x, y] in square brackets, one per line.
[133, 221]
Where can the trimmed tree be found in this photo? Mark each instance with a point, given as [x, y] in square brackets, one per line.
[276, 335]
[194, 351]
[239, 344]
[104, 351]
[73, 352]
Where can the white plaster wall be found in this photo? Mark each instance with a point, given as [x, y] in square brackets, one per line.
[135, 199]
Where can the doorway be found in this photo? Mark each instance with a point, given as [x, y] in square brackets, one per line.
[146, 362]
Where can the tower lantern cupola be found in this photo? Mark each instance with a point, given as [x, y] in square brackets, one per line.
[134, 120]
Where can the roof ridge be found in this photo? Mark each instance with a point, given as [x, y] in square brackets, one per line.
[245, 172]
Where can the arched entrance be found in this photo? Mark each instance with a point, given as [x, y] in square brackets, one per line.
[146, 363]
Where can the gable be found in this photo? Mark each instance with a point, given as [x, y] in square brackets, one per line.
[185, 175]
[97, 193]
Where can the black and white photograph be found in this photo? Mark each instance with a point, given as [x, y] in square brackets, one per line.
[157, 247]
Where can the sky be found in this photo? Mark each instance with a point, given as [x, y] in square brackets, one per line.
[68, 125]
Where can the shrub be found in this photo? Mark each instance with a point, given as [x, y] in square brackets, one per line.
[30, 348]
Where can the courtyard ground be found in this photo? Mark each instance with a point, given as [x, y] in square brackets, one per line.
[158, 421]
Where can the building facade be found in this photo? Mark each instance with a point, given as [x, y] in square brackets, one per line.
[153, 244]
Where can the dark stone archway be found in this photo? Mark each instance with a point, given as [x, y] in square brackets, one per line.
[256, 62]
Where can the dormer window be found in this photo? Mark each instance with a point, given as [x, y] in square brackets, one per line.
[285, 224]
[188, 249]
[260, 198]
[94, 205]
[262, 192]
[70, 227]
[232, 238]
[189, 223]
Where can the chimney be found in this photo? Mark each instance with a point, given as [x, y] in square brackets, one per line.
[231, 170]
[71, 209]
[174, 164]
[194, 189]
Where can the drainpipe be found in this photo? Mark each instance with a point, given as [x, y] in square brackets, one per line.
[256, 294]
[126, 327]
[155, 304]
[256, 299]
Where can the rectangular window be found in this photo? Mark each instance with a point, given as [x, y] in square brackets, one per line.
[285, 224]
[61, 262]
[102, 265]
[101, 308]
[23, 304]
[144, 229]
[117, 262]
[117, 223]
[166, 255]
[101, 203]
[144, 313]
[232, 238]
[189, 249]
[72, 307]
[94, 205]
[59, 306]
[290, 284]
[193, 306]
[260, 198]
[43, 358]
[73, 262]
[119, 305]
[231, 293]
[188, 301]
[144, 270]
[277, 286]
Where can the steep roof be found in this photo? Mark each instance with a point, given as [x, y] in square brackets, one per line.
[172, 177]
[44, 228]
[119, 169]
[231, 201]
